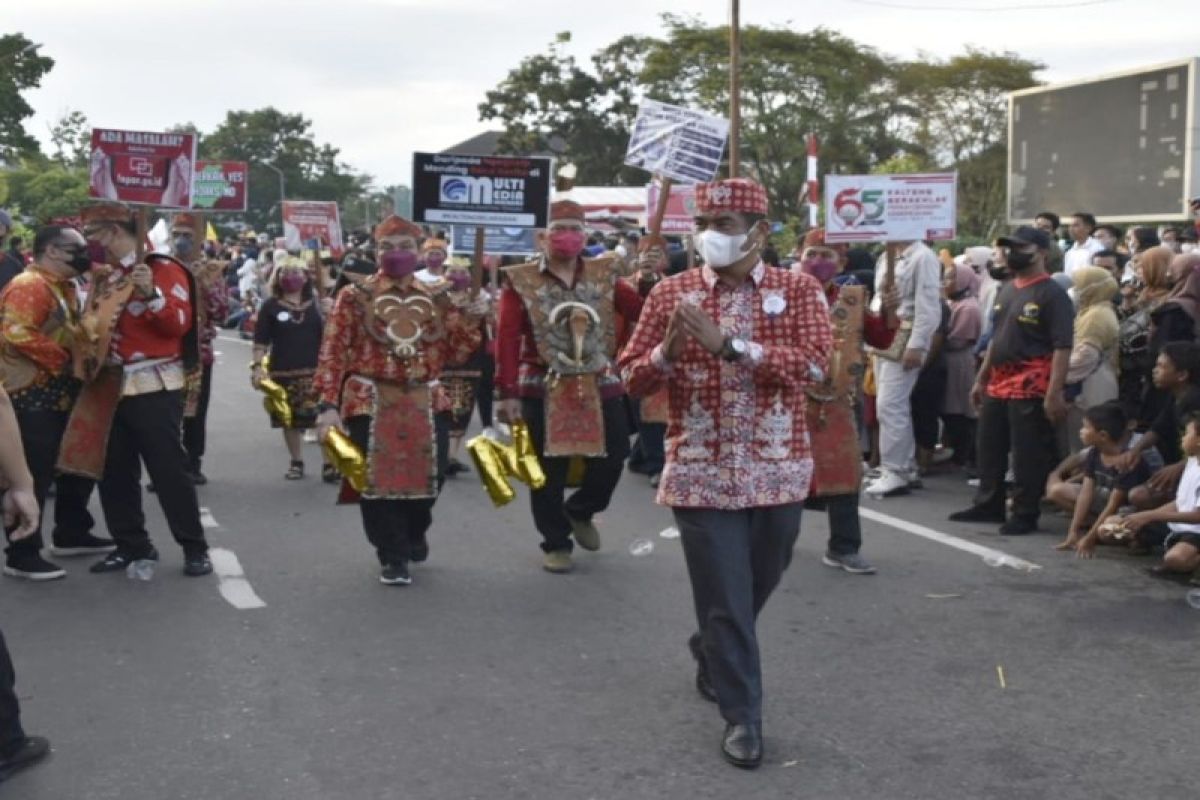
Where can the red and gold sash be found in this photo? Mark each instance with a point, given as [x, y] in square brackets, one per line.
[85, 441]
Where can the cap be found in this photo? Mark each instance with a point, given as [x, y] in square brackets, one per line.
[187, 221]
[1026, 234]
[105, 212]
[397, 226]
[566, 209]
[434, 243]
[740, 195]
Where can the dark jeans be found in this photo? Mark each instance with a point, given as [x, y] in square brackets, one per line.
[599, 481]
[1022, 426]
[485, 389]
[394, 526]
[648, 455]
[41, 435]
[845, 528]
[735, 560]
[147, 428]
[195, 428]
[10, 710]
[927, 397]
[960, 436]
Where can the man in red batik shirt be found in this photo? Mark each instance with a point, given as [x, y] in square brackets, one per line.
[555, 351]
[736, 344]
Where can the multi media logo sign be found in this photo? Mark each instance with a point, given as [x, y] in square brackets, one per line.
[464, 190]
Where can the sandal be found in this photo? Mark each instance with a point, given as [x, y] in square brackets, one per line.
[295, 471]
[329, 473]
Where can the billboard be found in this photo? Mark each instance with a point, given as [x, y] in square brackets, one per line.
[142, 167]
[891, 208]
[1123, 147]
[308, 222]
[481, 190]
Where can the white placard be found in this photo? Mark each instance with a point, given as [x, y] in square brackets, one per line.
[891, 208]
[677, 143]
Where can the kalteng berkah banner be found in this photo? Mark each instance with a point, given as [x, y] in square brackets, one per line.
[311, 222]
[142, 168]
[220, 186]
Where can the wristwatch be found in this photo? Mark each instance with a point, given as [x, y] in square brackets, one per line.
[733, 349]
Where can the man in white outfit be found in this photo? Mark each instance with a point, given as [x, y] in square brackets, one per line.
[918, 278]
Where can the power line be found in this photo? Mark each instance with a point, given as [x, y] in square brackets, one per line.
[1017, 7]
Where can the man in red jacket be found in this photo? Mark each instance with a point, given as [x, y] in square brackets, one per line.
[143, 315]
[555, 351]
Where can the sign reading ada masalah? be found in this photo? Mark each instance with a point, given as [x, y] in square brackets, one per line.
[891, 208]
[142, 167]
[481, 190]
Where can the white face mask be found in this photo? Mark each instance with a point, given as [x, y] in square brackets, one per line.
[1187, 247]
[721, 250]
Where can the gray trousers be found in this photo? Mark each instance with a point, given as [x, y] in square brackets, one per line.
[735, 560]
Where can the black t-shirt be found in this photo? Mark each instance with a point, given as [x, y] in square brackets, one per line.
[1031, 322]
[1109, 478]
[1169, 424]
[10, 267]
[294, 336]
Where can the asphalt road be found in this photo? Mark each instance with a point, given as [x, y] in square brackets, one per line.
[940, 677]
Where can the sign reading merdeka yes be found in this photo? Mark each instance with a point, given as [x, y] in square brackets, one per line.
[677, 143]
[891, 208]
[220, 186]
[142, 167]
[481, 190]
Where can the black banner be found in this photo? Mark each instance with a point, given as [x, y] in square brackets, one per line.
[481, 190]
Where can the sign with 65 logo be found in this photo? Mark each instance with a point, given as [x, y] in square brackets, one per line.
[890, 208]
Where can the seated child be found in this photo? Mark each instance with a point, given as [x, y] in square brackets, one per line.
[1105, 488]
[1177, 523]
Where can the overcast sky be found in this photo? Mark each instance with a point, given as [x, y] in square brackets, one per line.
[382, 78]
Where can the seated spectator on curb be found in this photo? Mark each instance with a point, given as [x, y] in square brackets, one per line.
[1176, 524]
[1176, 371]
[1105, 488]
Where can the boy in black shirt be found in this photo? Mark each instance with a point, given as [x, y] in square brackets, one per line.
[1177, 370]
[1019, 389]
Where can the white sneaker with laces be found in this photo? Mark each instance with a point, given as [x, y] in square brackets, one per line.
[888, 484]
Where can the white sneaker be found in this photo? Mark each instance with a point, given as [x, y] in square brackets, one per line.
[310, 436]
[888, 484]
[942, 455]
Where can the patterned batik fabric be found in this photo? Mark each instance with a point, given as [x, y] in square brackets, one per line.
[301, 396]
[736, 437]
[38, 322]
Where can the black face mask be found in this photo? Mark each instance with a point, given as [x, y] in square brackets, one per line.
[184, 247]
[998, 273]
[1020, 261]
[80, 262]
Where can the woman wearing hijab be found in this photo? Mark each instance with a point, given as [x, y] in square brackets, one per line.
[1092, 371]
[961, 286]
[1172, 320]
[289, 328]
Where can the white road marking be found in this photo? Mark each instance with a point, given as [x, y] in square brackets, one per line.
[232, 583]
[207, 519]
[990, 556]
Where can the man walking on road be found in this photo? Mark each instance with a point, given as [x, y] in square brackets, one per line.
[736, 344]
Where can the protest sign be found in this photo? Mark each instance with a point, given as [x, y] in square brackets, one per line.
[496, 241]
[680, 216]
[890, 208]
[481, 190]
[142, 168]
[306, 222]
[677, 143]
[220, 186]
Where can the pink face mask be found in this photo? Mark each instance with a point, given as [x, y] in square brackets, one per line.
[398, 263]
[823, 269]
[292, 281]
[435, 260]
[566, 243]
[459, 280]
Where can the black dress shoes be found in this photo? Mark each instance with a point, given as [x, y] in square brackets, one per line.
[21, 754]
[742, 745]
[704, 683]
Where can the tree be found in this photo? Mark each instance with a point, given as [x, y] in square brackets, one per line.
[72, 139]
[21, 69]
[44, 189]
[311, 171]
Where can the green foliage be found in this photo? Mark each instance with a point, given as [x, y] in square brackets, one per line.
[21, 69]
[72, 139]
[43, 189]
[870, 112]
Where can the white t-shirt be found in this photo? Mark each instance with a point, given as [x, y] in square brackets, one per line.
[425, 276]
[1080, 255]
[1187, 497]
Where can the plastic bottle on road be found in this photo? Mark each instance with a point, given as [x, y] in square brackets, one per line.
[641, 547]
[1193, 599]
[141, 570]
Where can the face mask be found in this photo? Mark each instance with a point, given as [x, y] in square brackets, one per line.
[184, 247]
[998, 273]
[459, 280]
[292, 281]
[398, 263]
[565, 244]
[434, 261]
[1019, 261]
[720, 250]
[1188, 247]
[96, 253]
[80, 262]
[823, 269]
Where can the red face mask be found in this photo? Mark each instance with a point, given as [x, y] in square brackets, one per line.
[566, 243]
[96, 252]
[398, 263]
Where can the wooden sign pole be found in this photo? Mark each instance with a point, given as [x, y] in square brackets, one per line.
[477, 263]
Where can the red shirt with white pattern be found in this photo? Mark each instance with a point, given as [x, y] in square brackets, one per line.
[154, 328]
[736, 437]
